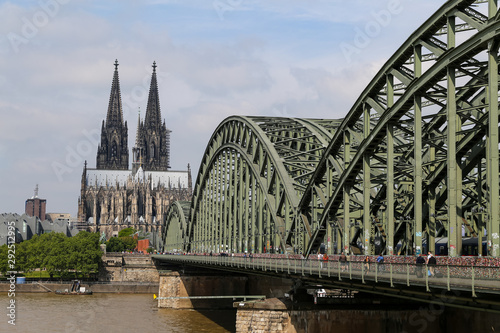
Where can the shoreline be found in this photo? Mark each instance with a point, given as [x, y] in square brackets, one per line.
[95, 287]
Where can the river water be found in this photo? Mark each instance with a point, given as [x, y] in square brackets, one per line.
[40, 312]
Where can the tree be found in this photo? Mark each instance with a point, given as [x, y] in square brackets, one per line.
[129, 243]
[36, 248]
[86, 254]
[56, 253]
[126, 232]
[4, 259]
[115, 244]
[58, 258]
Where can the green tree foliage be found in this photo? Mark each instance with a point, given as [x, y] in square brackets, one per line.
[120, 244]
[115, 244]
[87, 253]
[57, 259]
[3, 259]
[58, 254]
[36, 247]
[126, 232]
[129, 242]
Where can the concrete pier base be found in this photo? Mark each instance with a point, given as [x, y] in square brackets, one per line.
[282, 316]
[182, 283]
[173, 284]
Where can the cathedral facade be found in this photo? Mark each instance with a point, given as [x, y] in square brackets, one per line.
[112, 196]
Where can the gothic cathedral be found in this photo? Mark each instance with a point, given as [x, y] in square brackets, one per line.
[112, 197]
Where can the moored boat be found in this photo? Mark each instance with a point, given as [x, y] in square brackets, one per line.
[76, 289]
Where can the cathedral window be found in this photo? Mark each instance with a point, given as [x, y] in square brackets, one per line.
[113, 150]
[152, 149]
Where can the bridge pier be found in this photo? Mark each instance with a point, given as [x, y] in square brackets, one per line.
[177, 285]
[283, 316]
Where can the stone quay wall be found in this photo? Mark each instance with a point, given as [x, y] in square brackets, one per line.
[115, 287]
[125, 267]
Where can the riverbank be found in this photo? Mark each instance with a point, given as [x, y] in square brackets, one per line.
[96, 287]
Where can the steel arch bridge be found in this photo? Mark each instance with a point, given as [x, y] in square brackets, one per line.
[415, 158]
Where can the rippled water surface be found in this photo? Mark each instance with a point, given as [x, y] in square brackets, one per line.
[107, 313]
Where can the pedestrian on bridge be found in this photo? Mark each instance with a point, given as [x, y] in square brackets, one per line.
[420, 265]
[380, 262]
[431, 263]
[366, 264]
[343, 261]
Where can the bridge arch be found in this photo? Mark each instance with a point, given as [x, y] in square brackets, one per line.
[250, 181]
[415, 158]
[175, 227]
[430, 124]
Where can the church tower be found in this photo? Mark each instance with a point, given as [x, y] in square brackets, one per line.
[112, 196]
[112, 153]
[152, 150]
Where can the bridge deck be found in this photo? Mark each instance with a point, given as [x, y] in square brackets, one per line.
[471, 278]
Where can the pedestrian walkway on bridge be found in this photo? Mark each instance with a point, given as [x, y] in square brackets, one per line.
[468, 274]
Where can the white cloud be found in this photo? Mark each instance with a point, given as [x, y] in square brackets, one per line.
[276, 58]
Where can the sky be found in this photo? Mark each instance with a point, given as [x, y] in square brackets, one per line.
[215, 58]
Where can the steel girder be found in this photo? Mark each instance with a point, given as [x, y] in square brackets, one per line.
[433, 131]
[416, 157]
[175, 227]
[250, 181]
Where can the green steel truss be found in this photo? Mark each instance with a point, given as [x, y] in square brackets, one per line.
[251, 178]
[416, 157]
[174, 235]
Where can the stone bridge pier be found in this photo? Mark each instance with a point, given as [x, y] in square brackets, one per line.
[359, 312]
[177, 284]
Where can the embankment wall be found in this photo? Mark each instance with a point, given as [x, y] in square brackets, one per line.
[125, 288]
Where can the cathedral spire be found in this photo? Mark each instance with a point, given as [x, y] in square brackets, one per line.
[137, 141]
[153, 113]
[153, 141]
[115, 112]
[112, 152]
[137, 150]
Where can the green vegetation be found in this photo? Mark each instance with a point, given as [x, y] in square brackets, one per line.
[124, 242]
[59, 255]
[127, 232]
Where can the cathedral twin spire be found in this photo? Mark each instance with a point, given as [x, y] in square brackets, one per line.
[152, 147]
[112, 153]
[115, 112]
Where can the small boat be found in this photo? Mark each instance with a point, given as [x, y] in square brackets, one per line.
[66, 292]
[76, 289]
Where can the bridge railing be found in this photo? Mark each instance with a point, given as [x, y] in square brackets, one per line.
[467, 278]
